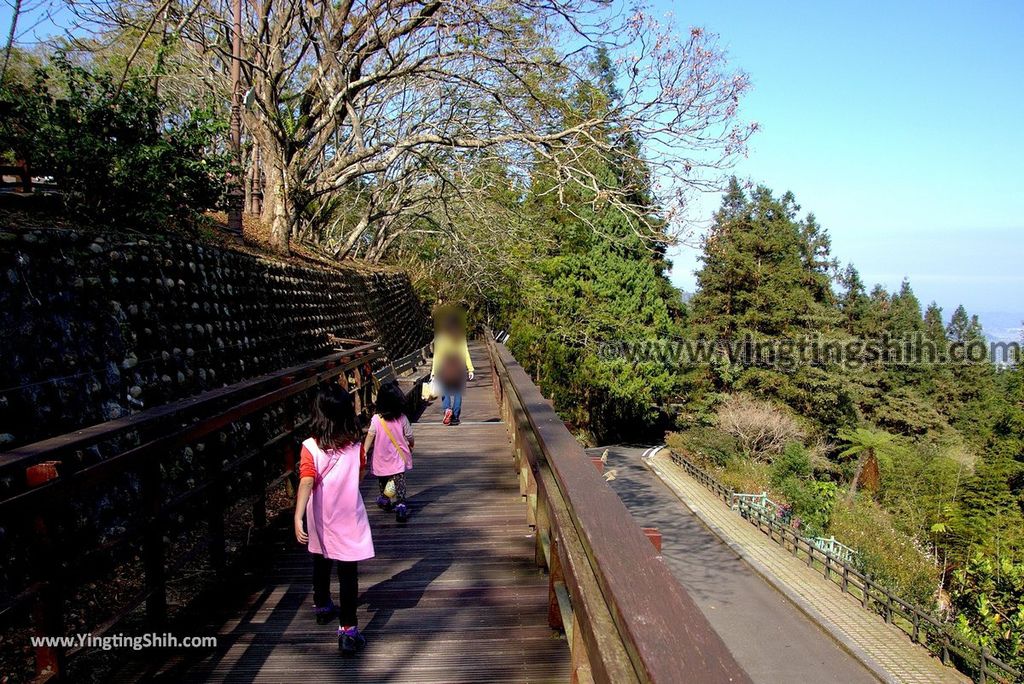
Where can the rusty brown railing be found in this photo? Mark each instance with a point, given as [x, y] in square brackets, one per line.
[45, 479]
[625, 616]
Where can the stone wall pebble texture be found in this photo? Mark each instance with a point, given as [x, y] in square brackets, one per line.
[95, 326]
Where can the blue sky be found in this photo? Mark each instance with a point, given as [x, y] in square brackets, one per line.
[899, 124]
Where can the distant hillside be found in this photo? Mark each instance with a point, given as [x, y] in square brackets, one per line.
[1003, 326]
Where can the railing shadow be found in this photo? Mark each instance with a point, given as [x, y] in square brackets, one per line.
[385, 598]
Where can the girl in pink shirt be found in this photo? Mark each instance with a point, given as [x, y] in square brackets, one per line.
[336, 528]
[390, 440]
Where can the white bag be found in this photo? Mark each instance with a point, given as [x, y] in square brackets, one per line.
[430, 390]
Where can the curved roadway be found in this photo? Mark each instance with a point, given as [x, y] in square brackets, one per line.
[769, 636]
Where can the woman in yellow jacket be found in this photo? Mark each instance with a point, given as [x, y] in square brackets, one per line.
[451, 365]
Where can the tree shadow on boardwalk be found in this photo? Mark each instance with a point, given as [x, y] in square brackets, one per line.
[402, 592]
[422, 500]
[244, 654]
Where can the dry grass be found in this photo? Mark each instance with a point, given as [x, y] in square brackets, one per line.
[749, 477]
[255, 240]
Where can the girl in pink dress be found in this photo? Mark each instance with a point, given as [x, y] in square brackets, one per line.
[390, 440]
[336, 528]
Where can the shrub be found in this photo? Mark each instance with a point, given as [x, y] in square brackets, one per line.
[706, 446]
[761, 429]
[794, 462]
[988, 597]
[891, 557]
[744, 475]
[810, 500]
[116, 156]
[719, 452]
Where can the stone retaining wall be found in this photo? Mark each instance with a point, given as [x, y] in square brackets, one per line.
[93, 326]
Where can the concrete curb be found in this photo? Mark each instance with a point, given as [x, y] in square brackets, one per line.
[807, 609]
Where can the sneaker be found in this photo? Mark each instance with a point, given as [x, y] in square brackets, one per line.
[325, 615]
[401, 513]
[455, 420]
[350, 641]
[384, 503]
[447, 417]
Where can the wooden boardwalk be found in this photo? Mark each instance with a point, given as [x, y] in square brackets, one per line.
[452, 596]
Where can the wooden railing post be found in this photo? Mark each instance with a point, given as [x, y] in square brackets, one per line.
[153, 543]
[48, 611]
[542, 534]
[579, 659]
[556, 577]
[531, 494]
[215, 450]
[259, 485]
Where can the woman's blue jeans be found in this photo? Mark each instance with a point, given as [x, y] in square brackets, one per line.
[451, 399]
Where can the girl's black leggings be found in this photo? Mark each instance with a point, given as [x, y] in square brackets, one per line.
[399, 478]
[348, 578]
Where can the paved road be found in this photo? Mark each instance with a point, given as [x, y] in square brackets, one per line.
[768, 635]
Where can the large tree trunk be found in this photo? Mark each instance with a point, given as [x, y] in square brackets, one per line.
[382, 244]
[278, 212]
[867, 476]
[347, 245]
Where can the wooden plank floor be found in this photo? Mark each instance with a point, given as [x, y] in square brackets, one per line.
[452, 596]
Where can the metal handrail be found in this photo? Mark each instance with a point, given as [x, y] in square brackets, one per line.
[766, 506]
[920, 624]
[833, 546]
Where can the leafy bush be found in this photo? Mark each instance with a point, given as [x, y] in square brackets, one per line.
[761, 428]
[707, 446]
[811, 501]
[719, 452]
[988, 597]
[794, 462]
[890, 556]
[744, 475]
[116, 157]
